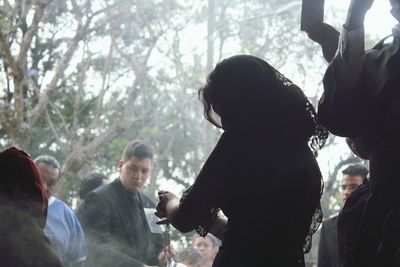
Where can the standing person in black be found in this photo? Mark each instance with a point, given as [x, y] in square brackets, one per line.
[88, 184]
[262, 173]
[353, 176]
[362, 102]
[113, 216]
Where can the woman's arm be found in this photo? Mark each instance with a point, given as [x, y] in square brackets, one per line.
[170, 212]
[327, 36]
[343, 78]
[185, 216]
[356, 14]
[199, 206]
[168, 208]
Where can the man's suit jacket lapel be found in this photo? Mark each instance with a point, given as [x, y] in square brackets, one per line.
[127, 210]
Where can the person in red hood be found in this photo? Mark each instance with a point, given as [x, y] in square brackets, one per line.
[23, 211]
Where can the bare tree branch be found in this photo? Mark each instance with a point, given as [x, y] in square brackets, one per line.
[80, 34]
[44, 97]
[5, 49]
[54, 130]
[64, 124]
[27, 39]
[103, 90]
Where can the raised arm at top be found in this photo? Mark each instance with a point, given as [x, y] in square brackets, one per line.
[356, 14]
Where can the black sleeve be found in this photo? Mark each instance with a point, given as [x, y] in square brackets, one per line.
[343, 108]
[203, 199]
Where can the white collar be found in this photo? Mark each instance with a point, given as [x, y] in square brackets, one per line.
[51, 200]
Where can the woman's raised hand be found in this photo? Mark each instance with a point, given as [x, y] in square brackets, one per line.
[168, 202]
[361, 5]
[327, 36]
[356, 14]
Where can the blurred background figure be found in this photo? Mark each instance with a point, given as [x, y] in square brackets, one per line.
[189, 257]
[353, 176]
[23, 210]
[88, 184]
[201, 253]
[208, 247]
[62, 226]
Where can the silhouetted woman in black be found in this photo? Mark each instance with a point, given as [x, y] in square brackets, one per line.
[262, 173]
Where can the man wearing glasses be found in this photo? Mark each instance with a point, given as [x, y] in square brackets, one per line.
[353, 176]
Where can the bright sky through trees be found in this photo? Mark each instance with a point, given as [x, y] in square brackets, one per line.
[378, 21]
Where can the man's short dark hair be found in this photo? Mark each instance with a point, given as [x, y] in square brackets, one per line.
[139, 149]
[48, 160]
[90, 183]
[355, 170]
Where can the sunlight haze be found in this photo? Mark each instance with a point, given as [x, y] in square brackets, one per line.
[378, 22]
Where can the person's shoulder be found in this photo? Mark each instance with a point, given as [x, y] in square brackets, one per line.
[228, 145]
[55, 201]
[229, 138]
[69, 213]
[106, 188]
[59, 204]
[108, 193]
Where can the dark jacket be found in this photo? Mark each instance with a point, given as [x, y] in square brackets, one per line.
[328, 244]
[117, 230]
[368, 111]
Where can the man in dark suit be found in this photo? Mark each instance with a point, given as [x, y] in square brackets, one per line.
[114, 218]
[353, 176]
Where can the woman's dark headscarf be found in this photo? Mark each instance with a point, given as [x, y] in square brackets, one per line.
[248, 93]
[21, 184]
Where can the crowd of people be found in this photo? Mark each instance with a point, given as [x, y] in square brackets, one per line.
[271, 137]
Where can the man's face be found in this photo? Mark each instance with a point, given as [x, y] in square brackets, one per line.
[205, 247]
[50, 176]
[348, 184]
[134, 173]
